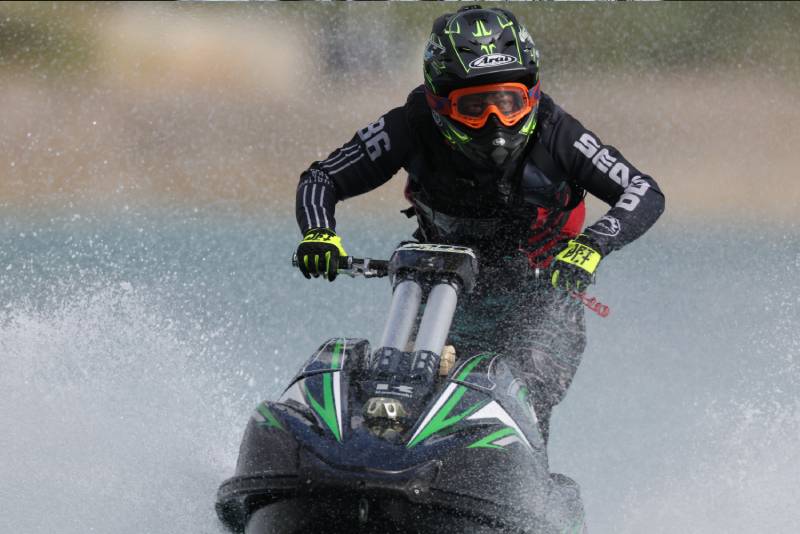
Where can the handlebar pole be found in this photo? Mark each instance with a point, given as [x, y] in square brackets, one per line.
[437, 318]
[406, 299]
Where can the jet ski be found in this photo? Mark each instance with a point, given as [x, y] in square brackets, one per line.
[401, 438]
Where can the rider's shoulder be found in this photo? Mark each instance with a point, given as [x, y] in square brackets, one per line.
[550, 113]
[554, 122]
[419, 118]
[416, 97]
[416, 106]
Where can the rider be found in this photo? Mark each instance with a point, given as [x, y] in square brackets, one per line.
[494, 164]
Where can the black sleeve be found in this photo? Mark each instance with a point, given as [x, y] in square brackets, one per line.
[635, 198]
[370, 159]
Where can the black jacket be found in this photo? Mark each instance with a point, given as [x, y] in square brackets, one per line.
[457, 203]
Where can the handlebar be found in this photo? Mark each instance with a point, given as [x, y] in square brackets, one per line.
[353, 267]
[369, 268]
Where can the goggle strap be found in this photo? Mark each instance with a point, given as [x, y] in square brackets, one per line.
[534, 93]
[439, 104]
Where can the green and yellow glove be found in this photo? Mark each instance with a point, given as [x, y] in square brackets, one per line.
[319, 252]
[574, 266]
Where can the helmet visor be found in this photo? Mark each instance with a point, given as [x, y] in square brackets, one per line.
[472, 106]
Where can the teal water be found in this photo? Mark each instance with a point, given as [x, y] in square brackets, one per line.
[134, 344]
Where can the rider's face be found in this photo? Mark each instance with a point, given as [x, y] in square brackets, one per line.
[475, 104]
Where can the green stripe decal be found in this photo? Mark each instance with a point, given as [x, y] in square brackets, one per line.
[505, 24]
[510, 24]
[271, 420]
[482, 31]
[529, 126]
[486, 442]
[327, 410]
[516, 39]
[430, 80]
[459, 137]
[337, 355]
[449, 32]
[441, 420]
[471, 365]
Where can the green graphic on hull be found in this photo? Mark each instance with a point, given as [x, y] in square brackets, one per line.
[270, 420]
[487, 442]
[442, 419]
[472, 364]
[327, 409]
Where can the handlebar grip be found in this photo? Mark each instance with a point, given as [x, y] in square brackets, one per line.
[349, 263]
[345, 262]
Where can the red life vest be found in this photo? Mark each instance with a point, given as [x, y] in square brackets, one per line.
[550, 228]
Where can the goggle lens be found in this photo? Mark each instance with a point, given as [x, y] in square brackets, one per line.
[472, 106]
[507, 103]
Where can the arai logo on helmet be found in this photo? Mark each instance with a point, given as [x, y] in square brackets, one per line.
[491, 60]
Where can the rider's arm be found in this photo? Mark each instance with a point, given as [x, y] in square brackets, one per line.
[635, 198]
[370, 159]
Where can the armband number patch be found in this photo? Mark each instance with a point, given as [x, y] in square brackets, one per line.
[375, 139]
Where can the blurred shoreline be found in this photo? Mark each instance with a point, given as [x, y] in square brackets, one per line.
[99, 146]
[201, 105]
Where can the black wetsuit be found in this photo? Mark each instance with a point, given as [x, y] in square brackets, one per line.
[503, 218]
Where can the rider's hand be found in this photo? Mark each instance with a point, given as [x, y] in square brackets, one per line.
[319, 252]
[574, 264]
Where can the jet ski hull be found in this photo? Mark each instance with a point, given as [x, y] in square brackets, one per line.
[474, 463]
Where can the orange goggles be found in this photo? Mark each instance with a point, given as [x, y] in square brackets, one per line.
[473, 105]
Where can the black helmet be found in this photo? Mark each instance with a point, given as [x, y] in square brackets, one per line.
[473, 48]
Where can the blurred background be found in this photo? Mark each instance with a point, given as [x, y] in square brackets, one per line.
[149, 154]
[205, 103]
